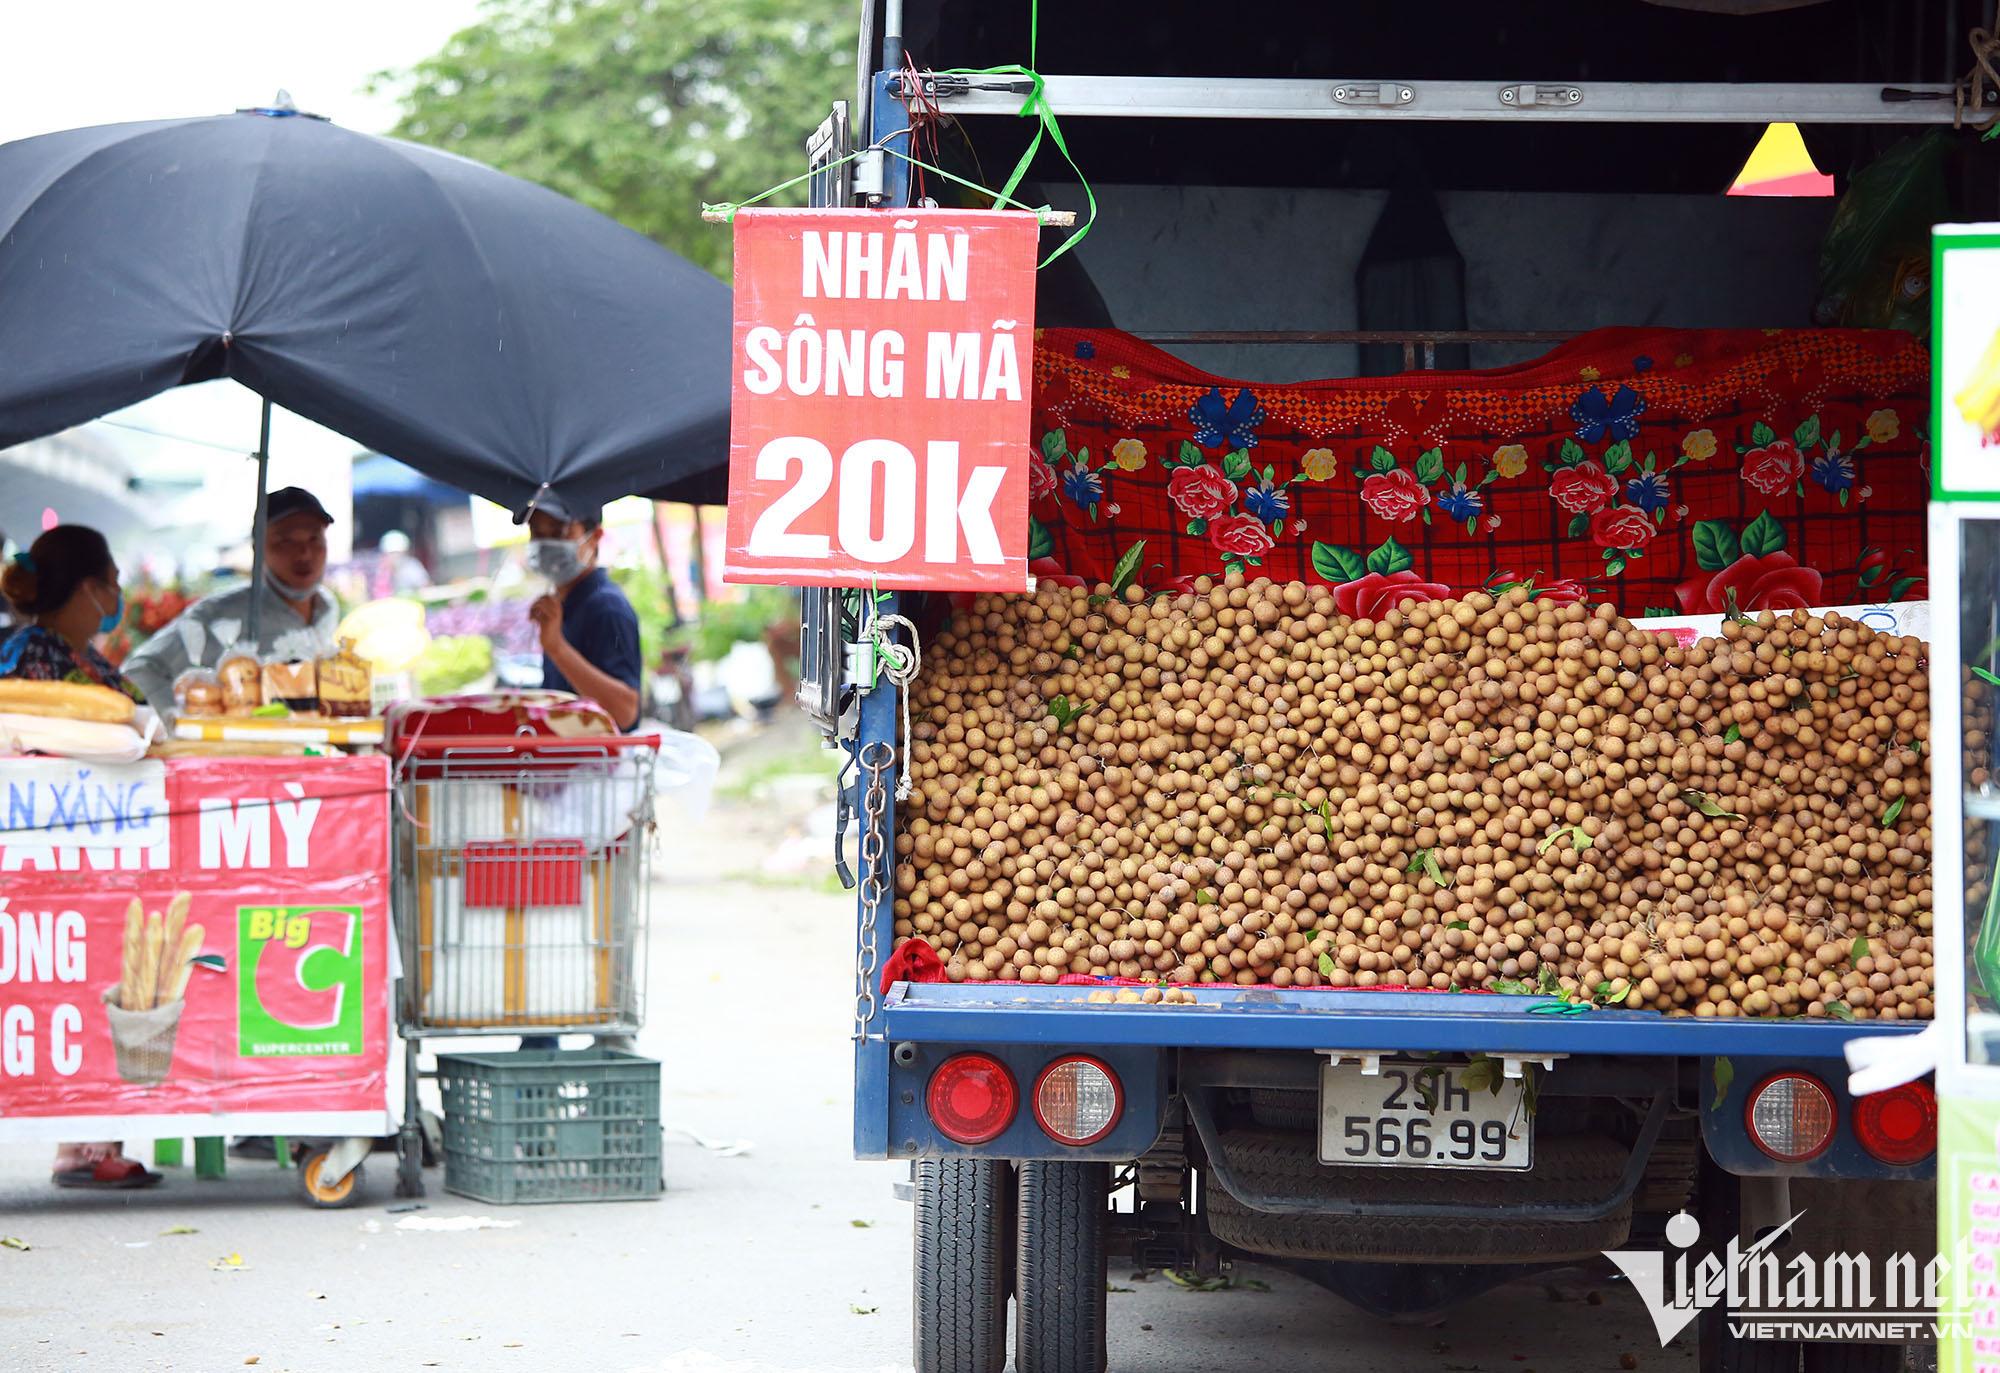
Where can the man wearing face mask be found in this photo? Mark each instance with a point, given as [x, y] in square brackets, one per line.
[590, 635]
[296, 616]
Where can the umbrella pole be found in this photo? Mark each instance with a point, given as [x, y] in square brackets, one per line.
[257, 528]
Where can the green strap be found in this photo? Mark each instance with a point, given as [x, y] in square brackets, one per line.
[1036, 107]
[1560, 1008]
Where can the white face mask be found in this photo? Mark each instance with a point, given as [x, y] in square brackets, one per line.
[290, 593]
[560, 560]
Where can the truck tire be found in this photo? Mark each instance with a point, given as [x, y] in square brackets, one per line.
[963, 1265]
[1059, 1270]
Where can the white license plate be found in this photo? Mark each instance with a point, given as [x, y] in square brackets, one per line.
[1415, 1115]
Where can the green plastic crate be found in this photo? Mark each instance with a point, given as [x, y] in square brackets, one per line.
[551, 1125]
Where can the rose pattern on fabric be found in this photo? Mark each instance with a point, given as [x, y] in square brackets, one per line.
[1710, 388]
[1241, 536]
[1395, 495]
[1621, 527]
[1774, 468]
[1048, 570]
[1201, 493]
[1774, 581]
[1042, 480]
[1376, 594]
[1584, 489]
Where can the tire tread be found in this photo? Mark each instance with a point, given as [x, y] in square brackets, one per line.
[960, 1266]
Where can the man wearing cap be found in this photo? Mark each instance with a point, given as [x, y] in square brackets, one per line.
[296, 616]
[590, 634]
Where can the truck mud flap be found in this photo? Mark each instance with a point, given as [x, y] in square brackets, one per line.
[1261, 1175]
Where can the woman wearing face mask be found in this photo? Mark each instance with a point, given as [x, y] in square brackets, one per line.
[64, 591]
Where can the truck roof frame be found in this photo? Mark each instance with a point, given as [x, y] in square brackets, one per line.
[1602, 102]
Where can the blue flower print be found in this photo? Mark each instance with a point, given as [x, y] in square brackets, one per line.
[1461, 502]
[1642, 363]
[1226, 424]
[1834, 470]
[1084, 487]
[1269, 504]
[1649, 491]
[1617, 418]
[1085, 349]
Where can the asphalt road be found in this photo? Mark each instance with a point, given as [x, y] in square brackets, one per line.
[788, 1256]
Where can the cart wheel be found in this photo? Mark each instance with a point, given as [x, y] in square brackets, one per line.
[328, 1196]
[1059, 1268]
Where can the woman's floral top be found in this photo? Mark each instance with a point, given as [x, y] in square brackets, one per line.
[33, 654]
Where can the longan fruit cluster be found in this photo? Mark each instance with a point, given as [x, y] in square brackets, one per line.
[1238, 784]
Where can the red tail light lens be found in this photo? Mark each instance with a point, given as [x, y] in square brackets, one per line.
[1791, 1117]
[972, 1098]
[1077, 1100]
[1898, 1126]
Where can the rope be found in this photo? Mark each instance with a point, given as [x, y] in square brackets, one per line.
[899, 663]
[1984, 47]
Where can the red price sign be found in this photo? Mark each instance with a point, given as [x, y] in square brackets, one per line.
[879, 415]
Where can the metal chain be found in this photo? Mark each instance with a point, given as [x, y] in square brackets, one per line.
[875, 758]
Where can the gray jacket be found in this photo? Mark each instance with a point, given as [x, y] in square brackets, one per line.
[207, 630]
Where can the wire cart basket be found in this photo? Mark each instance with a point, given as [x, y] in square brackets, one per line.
[520, 878]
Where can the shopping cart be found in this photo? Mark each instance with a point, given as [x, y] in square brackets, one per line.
[521, 867]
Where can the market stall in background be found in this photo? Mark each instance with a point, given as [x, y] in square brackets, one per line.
[198, 898]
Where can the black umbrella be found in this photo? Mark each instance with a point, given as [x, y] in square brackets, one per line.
[480, 328]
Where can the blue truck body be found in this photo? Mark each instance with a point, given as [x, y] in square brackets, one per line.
[1643, 1115]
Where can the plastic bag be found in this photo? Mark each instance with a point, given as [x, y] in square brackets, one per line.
[1875, 262]
[685, 773]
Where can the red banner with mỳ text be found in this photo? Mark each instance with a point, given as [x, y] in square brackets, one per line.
[193, 941]
[879, 409]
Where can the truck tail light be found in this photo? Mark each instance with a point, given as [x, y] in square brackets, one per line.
[1898, 1126]
[1077, 1100]
[1791, 1117]
[972, 1098]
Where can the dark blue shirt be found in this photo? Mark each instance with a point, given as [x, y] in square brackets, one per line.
[600, 624]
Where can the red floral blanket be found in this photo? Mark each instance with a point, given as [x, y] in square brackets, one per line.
[1668, 472]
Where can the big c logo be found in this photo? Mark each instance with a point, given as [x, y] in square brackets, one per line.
[298, 989]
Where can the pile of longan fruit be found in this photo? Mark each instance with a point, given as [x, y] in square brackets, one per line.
[1238, 784]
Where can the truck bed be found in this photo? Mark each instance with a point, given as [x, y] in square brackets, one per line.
[1297, 1018]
